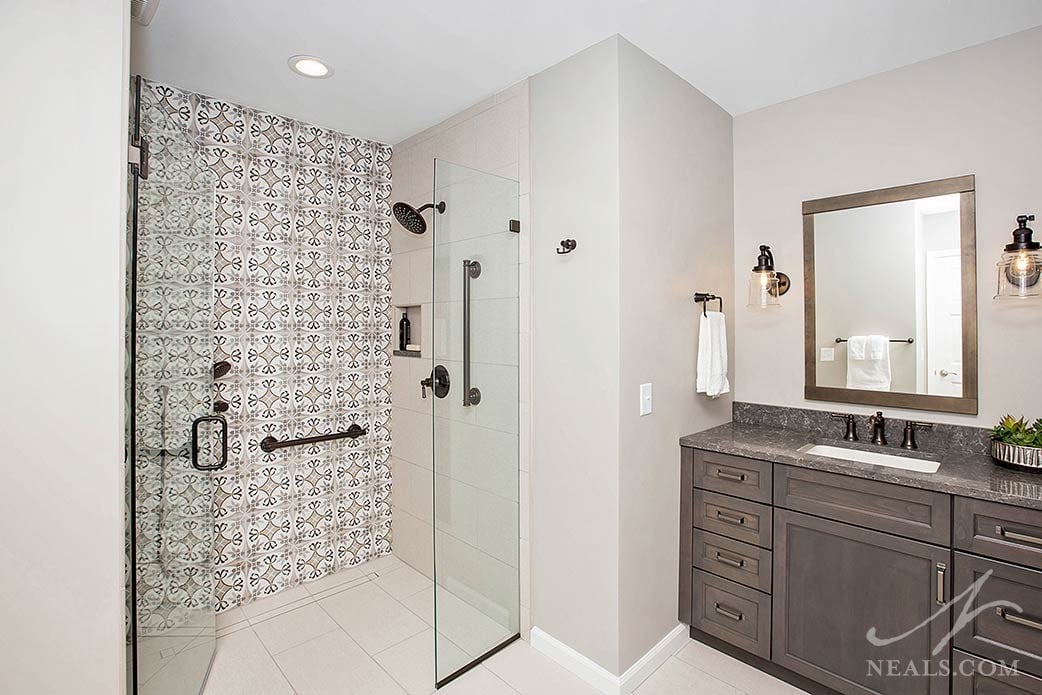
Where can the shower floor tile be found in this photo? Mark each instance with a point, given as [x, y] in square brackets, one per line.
[327, 641]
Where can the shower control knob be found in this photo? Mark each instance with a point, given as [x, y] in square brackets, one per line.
[425, 384]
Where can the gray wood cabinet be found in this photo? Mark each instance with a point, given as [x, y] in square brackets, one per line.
[834, 583]
[800, 576]
[975, 676]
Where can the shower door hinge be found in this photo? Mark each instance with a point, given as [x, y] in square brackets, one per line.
[515, 226]
[137, 157]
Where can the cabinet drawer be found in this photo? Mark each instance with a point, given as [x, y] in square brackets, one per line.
[903, 511]
[998, 633]
[732, 517]
[733, 475]
[735, 560]
[997, 530]
[974, 676]
[734, 613]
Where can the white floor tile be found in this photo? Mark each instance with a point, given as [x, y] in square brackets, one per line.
[256, 609]
[331, 581]
[733, 671]
[411, 663]
[381, 565]
[230, 618]
[403, 582]
[466, 626]
[334, 664]
[295, 627]
[243, 667]
[372, 618]
[676, 677]
[477, 681]
[422, 604]
[184, 674]
[532, 673]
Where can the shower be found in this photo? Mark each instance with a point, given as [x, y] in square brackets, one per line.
[410, 217]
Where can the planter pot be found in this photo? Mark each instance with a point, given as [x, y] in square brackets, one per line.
[1024, 457]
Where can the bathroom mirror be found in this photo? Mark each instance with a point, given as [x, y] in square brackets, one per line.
[891, 297]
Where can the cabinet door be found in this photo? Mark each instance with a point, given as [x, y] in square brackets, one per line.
[834, 583]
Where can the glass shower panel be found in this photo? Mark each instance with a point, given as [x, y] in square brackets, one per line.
[475, 334]
[175, 434]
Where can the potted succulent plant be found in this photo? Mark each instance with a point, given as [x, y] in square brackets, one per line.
[1016, 443]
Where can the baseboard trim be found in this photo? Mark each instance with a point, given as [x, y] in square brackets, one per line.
[655, 657]
[598, 676]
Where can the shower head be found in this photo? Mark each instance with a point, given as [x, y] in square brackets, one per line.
[410, 217]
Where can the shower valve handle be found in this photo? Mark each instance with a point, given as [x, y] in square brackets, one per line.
[425, 384]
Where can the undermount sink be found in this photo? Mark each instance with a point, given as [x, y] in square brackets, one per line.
[873, 457]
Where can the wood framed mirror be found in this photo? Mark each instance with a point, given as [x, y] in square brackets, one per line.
[891, 297]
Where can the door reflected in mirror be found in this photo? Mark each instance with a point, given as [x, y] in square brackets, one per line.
[891, 293]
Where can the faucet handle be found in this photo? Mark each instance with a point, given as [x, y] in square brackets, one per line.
[909, 436]
[851, 433]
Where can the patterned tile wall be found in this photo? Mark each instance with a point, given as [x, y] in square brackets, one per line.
[301, 311]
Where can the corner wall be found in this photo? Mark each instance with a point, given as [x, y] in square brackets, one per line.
[62, 270]
[575, 353]
[677, 237]
[636, 165]
[971, 112]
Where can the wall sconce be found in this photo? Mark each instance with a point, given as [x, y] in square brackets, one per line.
[1020, 265]
[766, 284]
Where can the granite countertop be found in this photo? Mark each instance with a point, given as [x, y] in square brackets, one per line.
[961, 473]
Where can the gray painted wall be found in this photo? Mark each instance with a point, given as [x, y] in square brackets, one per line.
[635, 164]
[676, 238]
[575, 353]
[62, 270]
[943, 117]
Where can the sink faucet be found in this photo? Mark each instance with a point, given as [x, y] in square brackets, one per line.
[878, 423]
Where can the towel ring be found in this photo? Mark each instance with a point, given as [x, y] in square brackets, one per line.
[704, 298]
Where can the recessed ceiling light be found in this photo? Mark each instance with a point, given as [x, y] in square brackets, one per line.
[309, 66]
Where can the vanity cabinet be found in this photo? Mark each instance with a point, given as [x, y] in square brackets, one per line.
[834, 583]
[793, 566]
[975, 676]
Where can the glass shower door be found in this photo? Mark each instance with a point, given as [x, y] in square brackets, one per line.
[176, 438]
[475, 336]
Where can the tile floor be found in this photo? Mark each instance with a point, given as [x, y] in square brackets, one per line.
[368, 631]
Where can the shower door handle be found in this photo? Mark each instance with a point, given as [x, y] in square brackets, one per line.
[224, 442]
[471, 394]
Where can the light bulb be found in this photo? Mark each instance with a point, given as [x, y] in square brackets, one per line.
[1023, 266]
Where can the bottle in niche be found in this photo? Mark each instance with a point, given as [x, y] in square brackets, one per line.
[404, 331]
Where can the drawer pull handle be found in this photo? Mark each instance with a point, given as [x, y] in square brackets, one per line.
[1019, 620]
[730, 518]
[728, 560]
[1014, 536]
[727, 475]
[729, 613]
[942, 570]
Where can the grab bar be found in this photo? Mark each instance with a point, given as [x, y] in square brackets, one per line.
[471, 395]
[269, 444]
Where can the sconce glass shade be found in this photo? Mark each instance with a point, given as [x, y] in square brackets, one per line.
[1020, 267]
[1019, 274]
[764, 289]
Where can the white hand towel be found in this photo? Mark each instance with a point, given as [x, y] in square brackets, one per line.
[856, 346]
[868, 362]
[711, 377]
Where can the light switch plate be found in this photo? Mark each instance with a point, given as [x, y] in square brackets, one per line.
[828, 354]
[645, 399]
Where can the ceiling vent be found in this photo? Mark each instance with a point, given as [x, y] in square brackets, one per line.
[142, 11]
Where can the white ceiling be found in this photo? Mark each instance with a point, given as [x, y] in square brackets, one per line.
[404, 65]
